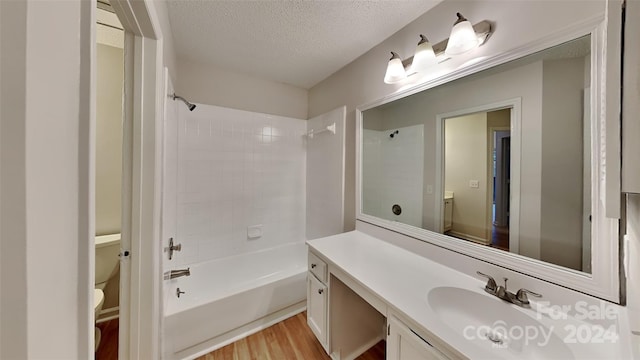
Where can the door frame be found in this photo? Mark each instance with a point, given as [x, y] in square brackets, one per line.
[491, 131]
[515, 105]
[141, 278]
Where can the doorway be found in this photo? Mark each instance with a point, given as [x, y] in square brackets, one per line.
[478, 177]
[142, 125]
[500, 180]
[108, 178]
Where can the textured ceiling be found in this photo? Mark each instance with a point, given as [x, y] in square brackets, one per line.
[295, 42]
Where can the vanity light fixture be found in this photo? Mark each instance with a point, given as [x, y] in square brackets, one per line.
[395, 70]
[424, 57]
[464, 37]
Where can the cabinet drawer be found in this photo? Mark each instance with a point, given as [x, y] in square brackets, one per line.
[317, 267]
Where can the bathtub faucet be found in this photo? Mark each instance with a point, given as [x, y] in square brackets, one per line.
[178, 273]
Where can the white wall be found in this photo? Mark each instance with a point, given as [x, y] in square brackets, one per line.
[47, 215]
[325, 175]
[361, 82]
[237, 169]
[208, 84]
[633, 200]
[562, 162]
[168, 53]
[109, 86]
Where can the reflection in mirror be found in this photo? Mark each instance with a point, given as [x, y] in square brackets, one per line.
[481, 212]
[392, 178]
[500, 158]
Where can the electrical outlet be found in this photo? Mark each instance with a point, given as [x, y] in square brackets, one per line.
[474, 184]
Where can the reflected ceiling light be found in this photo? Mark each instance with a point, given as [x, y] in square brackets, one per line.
[424, 57]
[395, 70]
[463, 38]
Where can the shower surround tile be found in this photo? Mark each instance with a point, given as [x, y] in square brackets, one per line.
[236, 169]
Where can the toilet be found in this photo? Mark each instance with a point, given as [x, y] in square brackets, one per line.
[98, 300]
[107, 261]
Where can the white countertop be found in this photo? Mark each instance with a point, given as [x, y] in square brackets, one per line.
[403, 280]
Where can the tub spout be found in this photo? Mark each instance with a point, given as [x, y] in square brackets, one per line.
[178, 273]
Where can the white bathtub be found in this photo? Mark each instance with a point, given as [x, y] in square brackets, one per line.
[229, 298]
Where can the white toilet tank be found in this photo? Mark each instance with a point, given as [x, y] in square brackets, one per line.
[107, 260]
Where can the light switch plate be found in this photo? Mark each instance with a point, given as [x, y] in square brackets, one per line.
[474, 184]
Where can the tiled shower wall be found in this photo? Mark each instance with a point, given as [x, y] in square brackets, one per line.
[392, 173]
[237, 169]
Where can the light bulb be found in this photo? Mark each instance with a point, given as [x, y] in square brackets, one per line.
[424, 57]
[463, 38]
[395, 70]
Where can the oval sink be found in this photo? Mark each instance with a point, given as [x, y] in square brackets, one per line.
[495, 325]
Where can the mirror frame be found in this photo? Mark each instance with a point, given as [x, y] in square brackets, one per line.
[604, 280]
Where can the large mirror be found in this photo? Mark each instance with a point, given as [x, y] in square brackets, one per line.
[501, 159]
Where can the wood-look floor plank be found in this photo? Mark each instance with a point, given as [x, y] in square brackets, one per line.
[226, 353]
[285, 344]
[108, 348]
[377, 352]
[273, 345]
[258, 346]
[241, 350]
[290, 339]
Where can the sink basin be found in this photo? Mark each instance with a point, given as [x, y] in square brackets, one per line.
[495, 325]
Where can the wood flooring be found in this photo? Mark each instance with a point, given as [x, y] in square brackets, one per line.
[108, 348]
[290, 339]
[500, 237]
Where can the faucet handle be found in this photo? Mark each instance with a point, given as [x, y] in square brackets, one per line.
[491, 286]
[521, 295]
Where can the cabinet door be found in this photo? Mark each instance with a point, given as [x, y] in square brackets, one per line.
[404, 344]
[317, 308]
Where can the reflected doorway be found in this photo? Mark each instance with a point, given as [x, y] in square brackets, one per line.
[477, 181]
[500, 160]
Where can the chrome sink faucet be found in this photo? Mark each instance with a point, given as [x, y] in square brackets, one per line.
[519, 298]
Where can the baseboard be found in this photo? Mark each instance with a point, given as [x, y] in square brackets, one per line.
[239, 333]
[108, 314]
[476, 239]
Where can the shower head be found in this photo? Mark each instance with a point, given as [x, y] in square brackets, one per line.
[189, 105]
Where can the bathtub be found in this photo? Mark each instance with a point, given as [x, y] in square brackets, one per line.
[227, 299]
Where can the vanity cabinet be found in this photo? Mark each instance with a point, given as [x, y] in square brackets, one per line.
[404, 344]
[317, 298]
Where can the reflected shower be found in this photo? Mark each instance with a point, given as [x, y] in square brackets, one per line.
[189, 105]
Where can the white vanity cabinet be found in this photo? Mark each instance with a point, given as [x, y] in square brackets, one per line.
[317, 298]
[405, 344]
